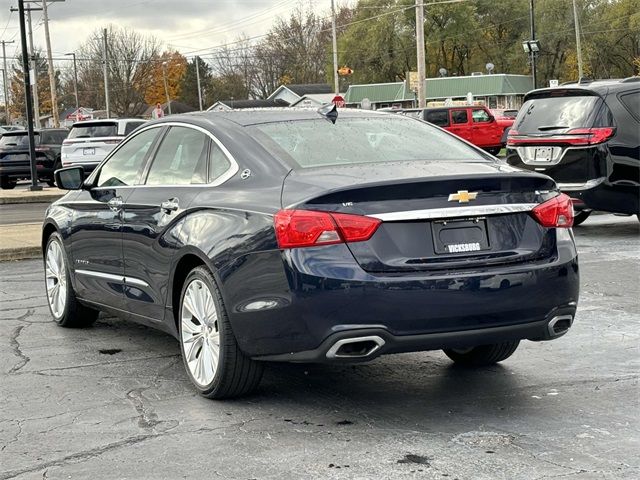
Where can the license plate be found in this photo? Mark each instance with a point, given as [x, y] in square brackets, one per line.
[89, 151]
[543, 154]
[460, 236]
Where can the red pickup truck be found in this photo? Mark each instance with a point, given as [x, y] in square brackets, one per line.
[474, 124]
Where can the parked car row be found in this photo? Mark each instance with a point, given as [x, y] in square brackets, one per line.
[86, 144]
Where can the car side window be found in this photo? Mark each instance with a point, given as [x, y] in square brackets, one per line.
[131, 126]
[218, 162]
[631, 102]
[180, 159]
[439, 118]
[480, 116]
[123, 167]
[459, 116]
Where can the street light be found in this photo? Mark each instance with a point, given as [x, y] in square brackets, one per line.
[166, 89]
[75, 79]
[532, 48]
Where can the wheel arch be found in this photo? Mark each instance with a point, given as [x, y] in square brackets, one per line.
[47, 230]
[189, 259]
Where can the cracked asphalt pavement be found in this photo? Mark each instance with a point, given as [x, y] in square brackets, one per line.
[113, 401]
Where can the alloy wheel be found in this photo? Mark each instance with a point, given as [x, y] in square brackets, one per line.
[56, 279]
[200, 332]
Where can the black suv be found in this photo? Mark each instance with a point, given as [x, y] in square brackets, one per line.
[14, 155]
[586, 136]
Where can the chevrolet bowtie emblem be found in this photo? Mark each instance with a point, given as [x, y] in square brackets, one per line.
[463, 196]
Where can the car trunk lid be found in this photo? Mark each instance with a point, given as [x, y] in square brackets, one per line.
[432, 219]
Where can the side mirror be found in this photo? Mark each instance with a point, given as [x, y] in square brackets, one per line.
[70, 178]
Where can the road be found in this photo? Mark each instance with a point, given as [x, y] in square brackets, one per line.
[22, 213]
[113, 401]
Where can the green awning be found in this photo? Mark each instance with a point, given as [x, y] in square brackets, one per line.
[441, 88]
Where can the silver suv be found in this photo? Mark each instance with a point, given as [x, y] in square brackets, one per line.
[92, 140]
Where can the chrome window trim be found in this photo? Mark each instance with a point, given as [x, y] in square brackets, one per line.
[115, 278]
[454, 212]
[231, 171]
[563, 151]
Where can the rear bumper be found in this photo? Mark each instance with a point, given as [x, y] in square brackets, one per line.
[386, 343]
[291, 305]
[599, 195]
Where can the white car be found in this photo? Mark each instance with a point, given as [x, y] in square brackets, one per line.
[92, 140]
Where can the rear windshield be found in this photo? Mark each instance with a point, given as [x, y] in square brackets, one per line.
[91, 130]
[557, 113]
[20, 140]
[388, 138]
[53, 138]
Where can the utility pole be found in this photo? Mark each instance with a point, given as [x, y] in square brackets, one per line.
[578, 47]
[532, 53]
[27, 95]
[34, 65]
[197, 60]
[106, 73]
[75, 79]
[52, 77]
[166, 89]
[334, 39]
[420, 53]
[5, 75]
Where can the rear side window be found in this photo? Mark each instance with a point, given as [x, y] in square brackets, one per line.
[459, 116]
[91, 130]
[631, 102]
[131, 126]
[559, 113]
[180, 159]
[218, 162]
[438, 117]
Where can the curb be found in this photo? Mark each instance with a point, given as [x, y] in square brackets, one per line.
[30, 199]
[20, 253]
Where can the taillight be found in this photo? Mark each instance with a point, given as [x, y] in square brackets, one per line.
[557, 212]
[591, 136]
[307, 228]
[575, 137]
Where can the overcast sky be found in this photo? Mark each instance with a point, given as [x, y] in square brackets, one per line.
[185, 25]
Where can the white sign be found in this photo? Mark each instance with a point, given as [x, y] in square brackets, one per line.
[32, 77]
[553, 83]
[365, 104]
[469, 98]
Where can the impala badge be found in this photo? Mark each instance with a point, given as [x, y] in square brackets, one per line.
[463, 196]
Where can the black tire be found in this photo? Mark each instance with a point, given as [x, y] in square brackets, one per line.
[235, 374]
[51, 182]
[580, 217]
[7, 183]
[494, 151]
[483, 355]
[74, 315]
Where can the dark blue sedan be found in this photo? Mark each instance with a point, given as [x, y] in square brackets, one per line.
[293, 235]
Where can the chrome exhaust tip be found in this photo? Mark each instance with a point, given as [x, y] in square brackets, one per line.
[560, 325]
[357, 347]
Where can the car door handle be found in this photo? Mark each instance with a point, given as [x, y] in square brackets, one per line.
[115, 203]
[170, 205]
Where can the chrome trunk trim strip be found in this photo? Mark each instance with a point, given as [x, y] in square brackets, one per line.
[454, 212]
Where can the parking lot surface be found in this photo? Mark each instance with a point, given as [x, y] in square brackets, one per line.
[113, 401]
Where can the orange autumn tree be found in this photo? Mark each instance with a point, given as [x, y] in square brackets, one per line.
[175, 66]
